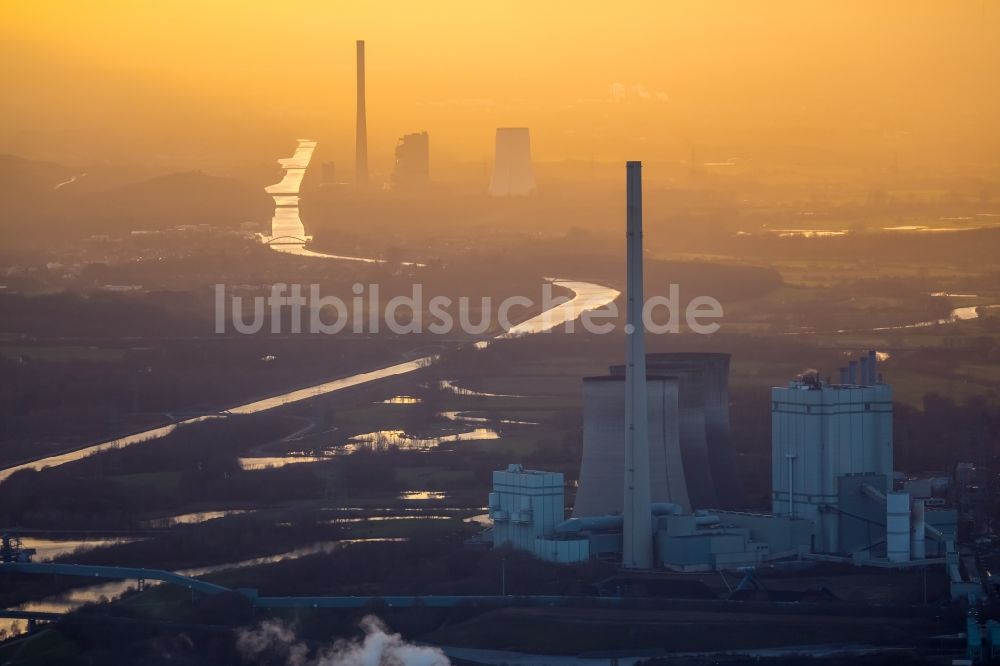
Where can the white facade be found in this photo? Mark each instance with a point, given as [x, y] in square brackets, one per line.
[525, 506]
[820, 433]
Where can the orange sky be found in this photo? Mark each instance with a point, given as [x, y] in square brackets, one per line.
[203, 82]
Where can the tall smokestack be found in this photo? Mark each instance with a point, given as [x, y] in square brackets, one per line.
[637, 537]
[361, 131]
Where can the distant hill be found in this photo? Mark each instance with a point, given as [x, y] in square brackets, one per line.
[41, 198]
[190, 197]
[22, 176]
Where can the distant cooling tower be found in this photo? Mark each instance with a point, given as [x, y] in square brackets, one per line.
[513, 174]
[603, 464]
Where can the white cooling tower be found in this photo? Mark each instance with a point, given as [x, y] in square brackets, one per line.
[602, 469]
[709, 466]
[513, 174]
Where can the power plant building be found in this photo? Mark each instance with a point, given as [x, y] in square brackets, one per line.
[526, 506]
[513, 174]
[658, 485]
[821, 433]
[831, 464]
[412, 167]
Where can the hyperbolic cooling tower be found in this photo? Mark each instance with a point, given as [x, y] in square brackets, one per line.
[691, 461]
[603, 464]
[513, 174]
[709, 466]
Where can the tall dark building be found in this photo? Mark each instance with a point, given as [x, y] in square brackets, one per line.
[412, 161]
[361, 131]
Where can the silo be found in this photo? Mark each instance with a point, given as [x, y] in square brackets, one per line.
[513, 174]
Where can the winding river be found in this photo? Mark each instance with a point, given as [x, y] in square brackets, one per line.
[288, 235]
[586, 297]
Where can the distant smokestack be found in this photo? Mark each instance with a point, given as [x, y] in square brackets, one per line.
[361, 131]
[637, 534]
[864, 370]
[872, 367]
[843, 376]
[852, 372]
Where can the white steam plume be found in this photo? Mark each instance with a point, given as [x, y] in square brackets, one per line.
[277, 641]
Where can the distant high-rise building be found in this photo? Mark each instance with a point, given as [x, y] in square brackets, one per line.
[412, 161]
[513, 174]
[361, 131]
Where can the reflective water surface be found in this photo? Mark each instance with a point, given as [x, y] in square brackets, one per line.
[47, 550]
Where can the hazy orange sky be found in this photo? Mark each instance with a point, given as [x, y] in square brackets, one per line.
[206, 82]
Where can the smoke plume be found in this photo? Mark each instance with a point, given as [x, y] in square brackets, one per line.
[273, 641]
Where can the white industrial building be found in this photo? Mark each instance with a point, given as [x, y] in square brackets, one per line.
[831, 464]
[527, 510]
[657, 472]
[820, 433]
[526, 506]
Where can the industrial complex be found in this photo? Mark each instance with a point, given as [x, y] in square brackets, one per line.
[658, 488]
[513, 173]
